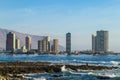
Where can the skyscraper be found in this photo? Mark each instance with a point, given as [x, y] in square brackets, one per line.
[28, 43]
[44, 45]
[17, 44]
[55, 46]
[68, 43]
[101, 42]
[48, 43]
[93, 43]
[40, 45]
[10, 42]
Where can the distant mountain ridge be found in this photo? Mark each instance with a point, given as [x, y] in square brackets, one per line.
[21, 36]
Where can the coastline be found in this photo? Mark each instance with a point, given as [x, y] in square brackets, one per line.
[12, 69]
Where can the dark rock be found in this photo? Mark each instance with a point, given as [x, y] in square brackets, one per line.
[103, 77]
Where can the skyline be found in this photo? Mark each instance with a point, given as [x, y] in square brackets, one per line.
[56, 18]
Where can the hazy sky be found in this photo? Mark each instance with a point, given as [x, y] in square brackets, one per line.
[57, 17]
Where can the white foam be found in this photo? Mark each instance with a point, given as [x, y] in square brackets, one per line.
[90, 73]
[111, 75]
[63, 68]
[42, 78]
[115, 63]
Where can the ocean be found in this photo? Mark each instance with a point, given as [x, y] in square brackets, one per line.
[67, 74]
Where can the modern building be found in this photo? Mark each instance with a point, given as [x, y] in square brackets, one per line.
[93, 43]
[55, 46]
[28, 41]
[68, 43]
[17, 44]
[44, 45]
[40, 46]
[100, 42]
[48, 44]
[10, 41]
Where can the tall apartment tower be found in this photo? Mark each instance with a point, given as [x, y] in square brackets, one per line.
[44, 45]
[68, 43]
[93, 43]
[17, 44]
[55, 46]
[11, 41]
[40, 44]
[28, 41]
[100, 42]
[48, 44]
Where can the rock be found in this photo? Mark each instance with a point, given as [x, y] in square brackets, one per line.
[3, 78]
[103, 77]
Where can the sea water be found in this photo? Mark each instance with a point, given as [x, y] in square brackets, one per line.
[103, 60]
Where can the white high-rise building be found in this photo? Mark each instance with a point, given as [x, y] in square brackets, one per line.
[55, 46]
[17, 44]
[100, 42]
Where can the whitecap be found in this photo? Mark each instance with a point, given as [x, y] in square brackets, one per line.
[90, 73]
[115, 63]
[42, 78]
[63, 68]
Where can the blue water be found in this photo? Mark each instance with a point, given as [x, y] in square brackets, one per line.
[105, 60]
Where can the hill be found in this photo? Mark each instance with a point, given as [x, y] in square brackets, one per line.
[21, 36]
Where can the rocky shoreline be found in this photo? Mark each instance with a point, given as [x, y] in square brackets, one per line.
[11, 69]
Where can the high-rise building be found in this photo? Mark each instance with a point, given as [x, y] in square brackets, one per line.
[17, 44]
[48, 43]
[55, 46]
[28, 43]
[93, 43]
[44, 45]
[10, 42]
[40, 45]
[68, 43]
[100, 42]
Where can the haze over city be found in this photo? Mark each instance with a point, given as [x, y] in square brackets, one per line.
[57, 17]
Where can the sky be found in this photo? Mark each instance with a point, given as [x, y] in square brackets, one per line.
[57, 17]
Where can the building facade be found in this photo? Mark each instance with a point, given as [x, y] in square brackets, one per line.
[40, 44]
[68, 43]
[48, 48]
[44, 45]
[28, 42]
[11, 41]
[17, 44]
[101, 42]
[55, 46]
[93, 43]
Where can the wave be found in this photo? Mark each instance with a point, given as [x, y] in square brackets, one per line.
[115, 63]
[42, 78]
[112, 63]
